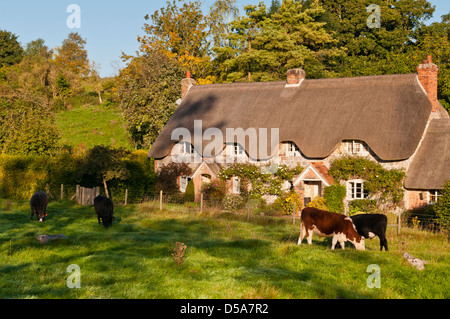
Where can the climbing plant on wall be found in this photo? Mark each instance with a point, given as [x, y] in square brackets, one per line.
[383, 185]
[263, 180]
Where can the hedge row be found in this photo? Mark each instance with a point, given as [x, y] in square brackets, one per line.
[22, 176]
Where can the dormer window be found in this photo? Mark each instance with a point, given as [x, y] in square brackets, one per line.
[354, 147]
[292, 149]
[186, 148]
[238, 150]
[359, 148]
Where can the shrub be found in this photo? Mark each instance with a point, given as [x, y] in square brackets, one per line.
[214, 192]
[285, 203]
[334, 197]
[442, 208]
[318, 202]
[189, 194]
[166, 179]
[362, 205]
[233, 202]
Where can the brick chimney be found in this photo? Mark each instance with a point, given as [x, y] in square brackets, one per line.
[294, 77]
[186, 84]
[427, 72]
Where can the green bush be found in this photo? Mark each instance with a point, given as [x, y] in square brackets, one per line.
[233, 202]
[189, 194]
[319, 203]
[214, 192]
[334, 197]
[362, 205]
[21, 176]
[442, 208]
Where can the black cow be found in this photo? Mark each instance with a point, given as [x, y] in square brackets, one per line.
[104, 208]
[371, 225]
[38, 204]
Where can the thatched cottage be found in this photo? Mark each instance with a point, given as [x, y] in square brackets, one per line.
[395, 120]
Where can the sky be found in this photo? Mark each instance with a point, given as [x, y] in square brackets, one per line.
[110, 27]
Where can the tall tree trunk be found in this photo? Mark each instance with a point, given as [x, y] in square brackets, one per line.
[106, 187]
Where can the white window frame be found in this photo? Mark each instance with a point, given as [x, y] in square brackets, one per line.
[184, 181]
[355, 147]
[291, 149]
[186, 148]
[238, 150]
[432, 197]
[352, 189]
[235, 185]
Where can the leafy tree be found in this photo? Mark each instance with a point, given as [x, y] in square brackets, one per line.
[375, 50]
[181, 33]
[72, 54]
[27, 128]
[268, 45]
[10, 50]
[221, 14]
[105, 163]
[37, 48]
[166, 179]
[148, 88]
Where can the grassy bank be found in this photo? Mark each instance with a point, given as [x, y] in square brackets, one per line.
[89, 125]
[226, 257]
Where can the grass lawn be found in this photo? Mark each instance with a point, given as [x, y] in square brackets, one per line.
[226, 257]
[90, 125]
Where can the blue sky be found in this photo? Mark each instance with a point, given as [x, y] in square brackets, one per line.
[109, 26]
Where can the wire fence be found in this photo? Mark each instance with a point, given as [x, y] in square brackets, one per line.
[423, 219]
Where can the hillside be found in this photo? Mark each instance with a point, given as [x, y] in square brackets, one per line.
[89, 125]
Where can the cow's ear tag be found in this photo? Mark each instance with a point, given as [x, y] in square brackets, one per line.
[46, 215]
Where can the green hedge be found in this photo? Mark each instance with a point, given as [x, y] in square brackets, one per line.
[21, 176]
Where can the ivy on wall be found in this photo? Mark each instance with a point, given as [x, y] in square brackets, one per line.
[383, 185]
[266, 180]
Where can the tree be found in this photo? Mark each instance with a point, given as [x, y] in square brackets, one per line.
[181, 33]
[72, 54]
[27, 128]
[10, 50]
[221, 14]
[382, 50]
[106, 163]
[37, 48]
[148, 89]
[271, 44]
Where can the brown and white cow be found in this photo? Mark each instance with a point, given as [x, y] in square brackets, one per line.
[329, 224]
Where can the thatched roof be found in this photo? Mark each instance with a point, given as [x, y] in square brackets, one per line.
[430, 168]
[388, 112]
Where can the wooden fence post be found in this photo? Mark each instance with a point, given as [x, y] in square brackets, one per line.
[399, 222]
[126, 196]
[293, 215]
[160, 200]
[201, 203]
[62, 191]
